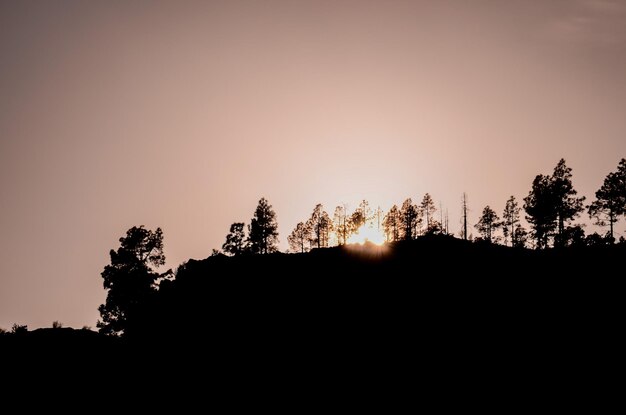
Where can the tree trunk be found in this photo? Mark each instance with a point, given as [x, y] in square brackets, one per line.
[561, 229]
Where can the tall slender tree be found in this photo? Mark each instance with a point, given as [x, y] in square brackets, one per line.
[409, 216]
[325, 226]
[320, 225]
[488, 223]
[464, 211]
[378, 218]
[567, 205]
[391, 224]
[428, 209]
[341, 225]
[263, 229]
[510, 218]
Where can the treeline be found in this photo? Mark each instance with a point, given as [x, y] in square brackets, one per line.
[550, 208]
[401, 223]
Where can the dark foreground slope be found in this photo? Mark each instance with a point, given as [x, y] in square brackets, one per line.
[437, 292]
[439, 295]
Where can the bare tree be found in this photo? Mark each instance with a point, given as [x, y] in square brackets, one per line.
[464, 218]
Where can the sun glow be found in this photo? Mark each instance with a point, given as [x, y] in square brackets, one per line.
[367, 233]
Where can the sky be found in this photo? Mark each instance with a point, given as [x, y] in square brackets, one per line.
[182, 115]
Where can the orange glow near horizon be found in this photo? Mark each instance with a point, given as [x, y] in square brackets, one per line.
[368, 233]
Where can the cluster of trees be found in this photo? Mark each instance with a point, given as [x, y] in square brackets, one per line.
[512, 230]
[316, 231]
[400, 223]
[412, 220]
[320, 231]
[262, 237]
[132, 279]
[551, 206]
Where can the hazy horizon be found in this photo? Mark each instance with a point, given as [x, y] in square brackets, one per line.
[182, 115]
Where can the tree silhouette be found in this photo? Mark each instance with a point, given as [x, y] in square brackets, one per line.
[341, 225]
[320, 226]
[131, 278]
[263, 229]
[366, 211]
[19, 329]
[391, 224]
[610, 200]
[464, 210]
[574, 236]
[409, 220]
[427, 209]
[357, 219]
[487, 224]
[551, 204]
[235, 240]
[540, 210]
[567, 205]
[360, 216]
[299, 237]
[510, 218]
[378, 217]
[323, 230]
[520, 237]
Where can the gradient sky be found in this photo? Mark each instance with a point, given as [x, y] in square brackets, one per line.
[183, 114]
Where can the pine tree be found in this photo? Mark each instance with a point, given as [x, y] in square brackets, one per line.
[408, 220]
[610, 200]
[320, 225]
[487, 224]
[428, 209]
[391, 224]
[235, 240]
[510, 218]
[299, 237]
[263, 229]
[567, 205]
[131, 279]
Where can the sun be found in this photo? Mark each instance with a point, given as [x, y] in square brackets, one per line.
[367, 233]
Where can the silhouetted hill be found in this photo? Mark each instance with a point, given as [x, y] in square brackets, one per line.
[436, 292]
[436, 296]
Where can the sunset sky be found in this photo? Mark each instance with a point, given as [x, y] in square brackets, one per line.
[184, 114]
